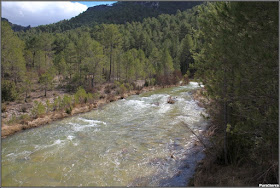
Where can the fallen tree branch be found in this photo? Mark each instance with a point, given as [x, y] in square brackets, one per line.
[200, 140]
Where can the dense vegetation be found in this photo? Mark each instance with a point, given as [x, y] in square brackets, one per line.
[156, 50]
[231, 46]
[238, 62]
[117, 13]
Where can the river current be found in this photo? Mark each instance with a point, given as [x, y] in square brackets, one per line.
[137, 141]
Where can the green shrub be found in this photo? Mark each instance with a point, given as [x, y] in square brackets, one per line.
[23, 118]
[38, 109]
[152, 81]
[59, 103]
[128, 86]
[80, 96]
[122, 89]
[67, 101]
[56, 103]
[41, 109]
[9, 91]
[48, 106]
[68, 110]
[13, 119]
[69, 88]
[90, 98]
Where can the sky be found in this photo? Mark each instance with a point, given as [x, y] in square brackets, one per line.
[36, 13]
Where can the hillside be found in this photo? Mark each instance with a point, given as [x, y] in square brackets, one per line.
[16, 27]
[118, 13]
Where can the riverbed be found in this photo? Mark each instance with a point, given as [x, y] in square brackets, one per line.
[138, 141]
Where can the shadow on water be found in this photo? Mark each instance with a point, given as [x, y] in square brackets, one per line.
[185, 168]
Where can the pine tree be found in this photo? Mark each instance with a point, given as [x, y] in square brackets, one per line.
[167, 63]
[185, 54]
[12, 59]
[238, 61]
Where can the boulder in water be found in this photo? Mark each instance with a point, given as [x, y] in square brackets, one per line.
[170, 100]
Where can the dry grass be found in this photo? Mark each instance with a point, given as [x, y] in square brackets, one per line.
[9, 130]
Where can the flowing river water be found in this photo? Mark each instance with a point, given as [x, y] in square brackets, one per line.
[137, 141]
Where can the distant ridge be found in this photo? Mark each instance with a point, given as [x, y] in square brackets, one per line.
[119, 13]
[16, 27]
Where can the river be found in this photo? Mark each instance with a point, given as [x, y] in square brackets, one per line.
[137, 141]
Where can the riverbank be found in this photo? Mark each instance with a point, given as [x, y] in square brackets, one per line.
[28, 123]
[211, 170]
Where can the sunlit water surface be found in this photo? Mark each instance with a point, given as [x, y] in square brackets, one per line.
[135, 141]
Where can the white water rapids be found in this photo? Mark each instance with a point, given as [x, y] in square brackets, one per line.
[138, 141]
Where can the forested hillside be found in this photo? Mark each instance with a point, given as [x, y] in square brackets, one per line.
[118, 13]
[16, 27]
[232, 47]
[150, 50]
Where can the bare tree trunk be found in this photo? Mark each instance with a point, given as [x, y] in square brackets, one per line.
[92, 81]
[225, 118]
[2, 71]
[33, 63]
[110, 63]
[118, 68]
[126, 73]
[80, 72]
[46, 59]
[113, 69]
[25, 100]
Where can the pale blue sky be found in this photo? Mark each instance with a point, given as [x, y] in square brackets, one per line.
[94, 3]
[36, 13]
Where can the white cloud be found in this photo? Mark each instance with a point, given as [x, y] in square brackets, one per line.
[36, 13]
